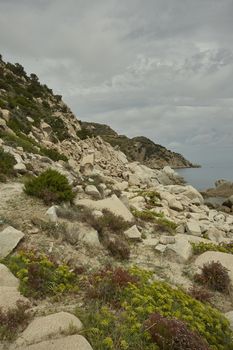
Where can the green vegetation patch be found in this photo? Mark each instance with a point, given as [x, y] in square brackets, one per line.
[118, 322]
[40, 276]
[158, 218]
[51, 186]
[199, 248]
[7, 162]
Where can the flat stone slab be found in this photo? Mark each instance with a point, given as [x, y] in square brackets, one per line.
[47, 327]
[133, 234]
[113, 204]
[9, 297]
[72, 342]
[7, 279]
[9, 239]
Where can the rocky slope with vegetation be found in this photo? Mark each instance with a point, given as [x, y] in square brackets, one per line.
[98, 252]
[139, 149]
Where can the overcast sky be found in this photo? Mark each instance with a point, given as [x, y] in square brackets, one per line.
[158, 68]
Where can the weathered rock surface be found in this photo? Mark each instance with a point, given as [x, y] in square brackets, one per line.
[229, 316]
[9, 296]
[193, 228]
[92, 191]
[113, 204]
[47, 327]
[9, 239]
[133, 233]
[72, 342]
[7, 279]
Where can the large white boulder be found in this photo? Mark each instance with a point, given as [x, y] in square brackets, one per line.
[9, 296]
[7, 279]
[113, 204]
[225, 259]
[72, 342]
[47, 327]
[9, 239]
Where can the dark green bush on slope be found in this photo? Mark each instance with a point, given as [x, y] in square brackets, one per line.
[51, 186]
[7, 162]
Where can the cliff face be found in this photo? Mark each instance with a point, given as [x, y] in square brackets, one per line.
[139, 148]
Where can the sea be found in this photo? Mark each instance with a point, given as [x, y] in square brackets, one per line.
[205, 177]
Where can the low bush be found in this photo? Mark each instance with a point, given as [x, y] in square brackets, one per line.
[162, 224]
[7, 162]
[51, 186]
[214, 276]
[13, 321]
[107, 284]
[173, 334]
[146, 215]
[121, 324]
[119, 248]
[40, 276]
[53, 154]
[201, 294]
[199, 248]
[111, 223]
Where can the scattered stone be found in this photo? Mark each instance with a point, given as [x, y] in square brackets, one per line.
[52, 214]
[150, 242]
[193, 228]
[92, 191]
[160, 248]
[9, 239]
[20, 168]
[175, 205]
[90, 236]
[133, 234]
[167, 240]
[47, 327]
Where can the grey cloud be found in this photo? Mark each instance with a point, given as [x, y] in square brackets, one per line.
[161, 68]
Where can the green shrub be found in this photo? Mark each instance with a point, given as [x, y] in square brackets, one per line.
[120, 325]
[53, 154]
[84, 133]
[146, 215]
[40, 276]
[7, 162]
[51, 186]
[215, 276]
[199, 248]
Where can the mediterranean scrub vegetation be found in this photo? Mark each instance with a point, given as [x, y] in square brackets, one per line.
[127, 309]
[40, 275]
[51, 186]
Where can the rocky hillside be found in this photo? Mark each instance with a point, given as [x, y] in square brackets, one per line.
[139, 149]
[96, 252]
